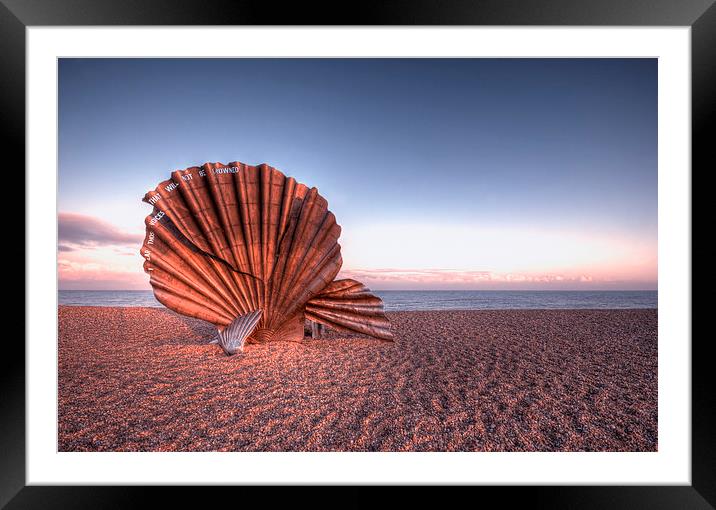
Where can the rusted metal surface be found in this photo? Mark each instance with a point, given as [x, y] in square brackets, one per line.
[227, 240]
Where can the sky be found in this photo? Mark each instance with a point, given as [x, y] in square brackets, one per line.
[443, 173]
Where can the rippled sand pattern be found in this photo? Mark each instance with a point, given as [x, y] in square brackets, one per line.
[141, 379]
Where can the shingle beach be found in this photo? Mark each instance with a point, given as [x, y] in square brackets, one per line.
[146, 379]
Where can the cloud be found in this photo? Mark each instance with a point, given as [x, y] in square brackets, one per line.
[425, 279]
[94, 254]
[82, 231]
[501, 249]
[99, 273]
[453, 276]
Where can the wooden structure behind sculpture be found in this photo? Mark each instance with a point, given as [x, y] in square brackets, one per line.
[254, 252]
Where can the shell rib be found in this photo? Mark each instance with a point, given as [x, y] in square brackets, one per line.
[226, 240]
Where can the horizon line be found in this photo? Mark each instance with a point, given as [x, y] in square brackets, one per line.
[414, 290]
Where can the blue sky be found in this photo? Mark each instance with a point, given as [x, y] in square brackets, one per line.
[444, 173]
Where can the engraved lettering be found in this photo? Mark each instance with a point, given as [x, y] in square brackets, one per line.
[156, 218]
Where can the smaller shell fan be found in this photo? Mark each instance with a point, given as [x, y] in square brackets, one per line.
[348, 305]
[228, 243]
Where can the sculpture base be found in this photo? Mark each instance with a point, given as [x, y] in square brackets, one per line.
[232, 337]
[289, 331]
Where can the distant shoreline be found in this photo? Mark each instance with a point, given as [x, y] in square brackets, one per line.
[415, 300]
[414, 290]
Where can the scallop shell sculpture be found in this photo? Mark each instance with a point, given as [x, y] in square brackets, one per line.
[253, 252]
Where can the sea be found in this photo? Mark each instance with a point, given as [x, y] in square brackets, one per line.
[401, 300]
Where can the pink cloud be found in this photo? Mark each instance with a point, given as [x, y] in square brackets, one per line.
[77, 231]
[94, 254]
[425, 279]
[96, 275]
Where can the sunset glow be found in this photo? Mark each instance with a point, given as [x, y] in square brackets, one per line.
[405, 257]
[524, 174]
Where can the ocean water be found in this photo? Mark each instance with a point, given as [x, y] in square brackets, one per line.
[396, 300]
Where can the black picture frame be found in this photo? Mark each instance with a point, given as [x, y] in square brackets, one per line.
[700, 15]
